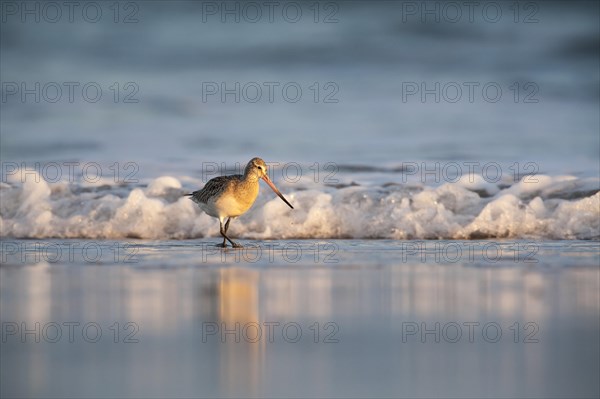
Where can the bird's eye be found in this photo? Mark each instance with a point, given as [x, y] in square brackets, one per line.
[258, 166]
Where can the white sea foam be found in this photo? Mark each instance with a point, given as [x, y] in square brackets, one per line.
[548, 207]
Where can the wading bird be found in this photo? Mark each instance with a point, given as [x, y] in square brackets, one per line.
[227, 197]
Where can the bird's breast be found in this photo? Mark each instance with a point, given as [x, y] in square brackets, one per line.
[237, 200]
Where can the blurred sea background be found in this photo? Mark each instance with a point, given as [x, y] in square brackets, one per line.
[392, 98]
[367, 161]
[367, 51]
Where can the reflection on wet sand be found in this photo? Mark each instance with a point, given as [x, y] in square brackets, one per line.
[237, 298]
[371, 305]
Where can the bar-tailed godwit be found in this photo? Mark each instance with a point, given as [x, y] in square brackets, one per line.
[227, 197]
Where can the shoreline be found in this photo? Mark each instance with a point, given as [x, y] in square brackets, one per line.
[173, 324]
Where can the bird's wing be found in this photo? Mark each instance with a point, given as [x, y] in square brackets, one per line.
[212, 188]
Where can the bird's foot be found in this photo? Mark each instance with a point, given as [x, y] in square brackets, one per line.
[234, 245]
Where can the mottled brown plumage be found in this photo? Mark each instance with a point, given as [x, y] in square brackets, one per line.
[231, 196]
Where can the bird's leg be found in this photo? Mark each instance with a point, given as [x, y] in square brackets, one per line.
[224, 234]
[224, 245]
[234, 244]
[227, 225]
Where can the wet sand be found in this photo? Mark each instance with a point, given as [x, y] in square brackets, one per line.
[310, 318]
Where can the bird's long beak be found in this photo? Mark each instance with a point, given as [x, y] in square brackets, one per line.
[270, 183]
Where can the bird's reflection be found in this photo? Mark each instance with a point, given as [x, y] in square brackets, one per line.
[241, 363]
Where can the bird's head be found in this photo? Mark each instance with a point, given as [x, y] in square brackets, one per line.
[258, 168]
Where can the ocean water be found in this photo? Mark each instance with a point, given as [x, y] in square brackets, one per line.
[444, 172]
[391, 123]
[536, 207]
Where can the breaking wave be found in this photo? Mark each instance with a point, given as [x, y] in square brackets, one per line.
[554, 207]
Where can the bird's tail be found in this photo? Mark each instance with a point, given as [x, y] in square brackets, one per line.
[193, 197]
